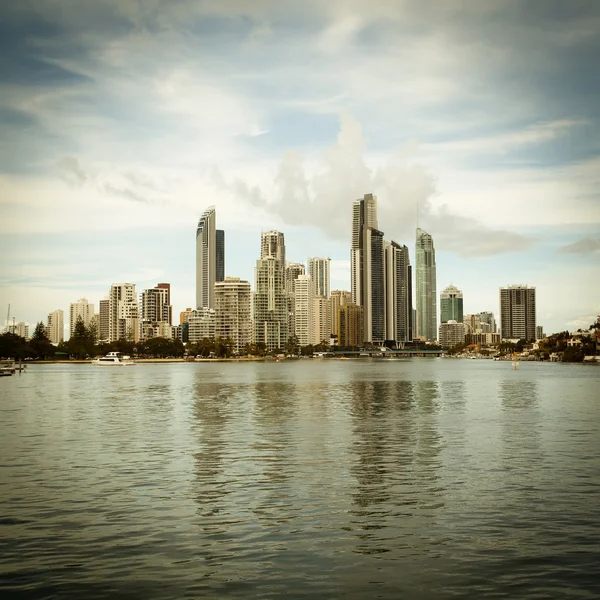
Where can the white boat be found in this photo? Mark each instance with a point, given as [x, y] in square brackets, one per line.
[113, 359]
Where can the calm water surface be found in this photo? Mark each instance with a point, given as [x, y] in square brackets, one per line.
[417, 478]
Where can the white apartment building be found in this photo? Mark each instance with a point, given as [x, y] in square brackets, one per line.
[202, 324]
[123, 313]
[321, 320]
[55, 329]
[319, 271]
[232, 308]
[451, 333]
[303, 310]
[82, 309]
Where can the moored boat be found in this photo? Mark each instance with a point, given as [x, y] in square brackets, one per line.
[113, 359]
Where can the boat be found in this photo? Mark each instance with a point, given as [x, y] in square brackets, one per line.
[113, 359]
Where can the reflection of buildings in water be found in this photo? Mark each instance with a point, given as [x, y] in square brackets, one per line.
[454, 395]
[272, 451]
[396, 446]
[212, 413]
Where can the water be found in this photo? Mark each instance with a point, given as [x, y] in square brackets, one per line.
[422, 478]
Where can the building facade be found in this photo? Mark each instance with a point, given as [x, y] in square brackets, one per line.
[82, 309]
[336, 299]
[517, 312]
[488, 317]
[321, 320]
[202, 324]
[55, 328]
[426, 286]
[451, 333]
[123, 313]
[367, 268]
[451, 305]
[398, 293]
[104, 320]
[350, 326]
[206, 258]
[270, 314]
[219, 255]
[319, 271]
[21, 329]
[292, 272]
[232, 308]
[303, 310]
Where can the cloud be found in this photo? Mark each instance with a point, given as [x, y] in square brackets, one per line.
[586, 245]
[71, 171]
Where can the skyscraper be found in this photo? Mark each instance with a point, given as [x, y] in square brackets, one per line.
[82, 309]
[451, 305]
[367, 267]
[123, 313]
[517, 312]
[319, 271]
[398, 293]
[206, 259]
[426, 286]
[271, 314]
[220, 255]
[155, 311]
[104, 320]
[232, 309]
[55, 329]
[338, 298]
[350, 325]
[303, 310]
[292, 272]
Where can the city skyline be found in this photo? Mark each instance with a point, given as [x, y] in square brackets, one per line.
[122, 131]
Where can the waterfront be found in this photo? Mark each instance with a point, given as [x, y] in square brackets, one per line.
[416, 478]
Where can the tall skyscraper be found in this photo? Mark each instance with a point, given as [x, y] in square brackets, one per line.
[451, 305]
[206, 258]
[232, 310]
[55, 329]
[220, 255]
[319, 271]
[367, 267]
[123, 314]
[292, 272]
[303, 310]
[321, 320]
[398, 293]
[271, 305]
[517, 312]
[426, 286]
[82, 309]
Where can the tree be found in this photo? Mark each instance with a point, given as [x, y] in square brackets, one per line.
[40, 345]
[14, 346]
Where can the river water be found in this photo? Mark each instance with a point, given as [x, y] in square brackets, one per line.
[416, 478]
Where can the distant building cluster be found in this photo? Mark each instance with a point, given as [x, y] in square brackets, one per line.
[291, 303]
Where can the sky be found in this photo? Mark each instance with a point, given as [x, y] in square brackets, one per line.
[121, 121]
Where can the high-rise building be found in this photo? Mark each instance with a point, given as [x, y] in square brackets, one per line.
[451, 333]
[517, 312]
[426, 286]
[202, 324]
[350, 325]
[398, 293]
[82, 309]
[55, 329]
[292, 271]
[319, 271]
[123, 314]
[272, 243]
[488, 317]
[539, 332]
[156, 311]
[367, 267]
[270, 303]
[220, 255]
[303, 310]
[321, 320]
[232, 308]
[338, 298]
[206, 258]
[104, 320]
[451, 305]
